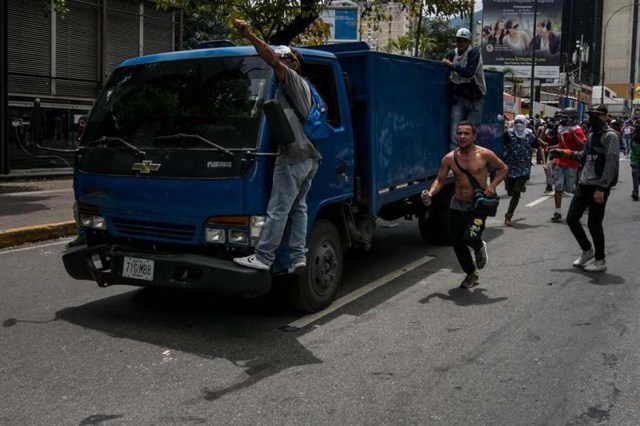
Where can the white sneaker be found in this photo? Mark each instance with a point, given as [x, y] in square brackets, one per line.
[597, 266]
[251, 262]
[296, 267]
[584, 258]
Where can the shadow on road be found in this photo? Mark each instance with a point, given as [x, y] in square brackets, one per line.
[240, 331]
[596, 278]
[463, 297]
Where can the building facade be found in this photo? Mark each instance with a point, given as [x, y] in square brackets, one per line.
[64, 60]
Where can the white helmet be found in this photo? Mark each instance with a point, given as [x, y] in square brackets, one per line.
[463, 33]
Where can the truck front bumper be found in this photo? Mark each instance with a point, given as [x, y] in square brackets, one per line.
[104, 265]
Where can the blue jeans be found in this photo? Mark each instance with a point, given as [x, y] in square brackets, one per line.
[625, 144]
[464, 110]
[291, 183]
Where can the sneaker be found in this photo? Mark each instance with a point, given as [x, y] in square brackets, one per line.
[584, 258]
[507, 221]
[557, 217]
[634, 196]
[597, 266]
[471, 280]
[251, 262]
[481, 256]
[297, 266]
[548, 189]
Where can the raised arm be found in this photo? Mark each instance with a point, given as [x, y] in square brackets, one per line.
[264, 50]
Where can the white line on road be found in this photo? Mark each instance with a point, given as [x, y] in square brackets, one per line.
[539, 200]
[65, 241]
[308, 319]
[35, 193]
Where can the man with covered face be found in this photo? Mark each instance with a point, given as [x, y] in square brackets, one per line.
[519, 143]
[599, 162]
[565, 170]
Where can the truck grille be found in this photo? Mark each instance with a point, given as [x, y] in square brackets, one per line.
[154, 230]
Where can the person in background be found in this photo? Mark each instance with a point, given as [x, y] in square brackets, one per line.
[565, 170]
[519, 143]
[627, 131]
[599, 159]
[467, 77]
[634, 160]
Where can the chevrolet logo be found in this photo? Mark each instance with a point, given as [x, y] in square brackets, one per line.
[146, 166]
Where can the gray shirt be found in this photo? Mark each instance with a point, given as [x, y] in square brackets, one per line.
[610, 144]
[298, 90]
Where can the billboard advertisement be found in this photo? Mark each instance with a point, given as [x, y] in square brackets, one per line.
[509, 37]
[342, 21]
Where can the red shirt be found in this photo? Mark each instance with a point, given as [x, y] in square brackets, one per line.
[565, 141]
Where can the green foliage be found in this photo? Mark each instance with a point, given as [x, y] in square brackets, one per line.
[284, 21]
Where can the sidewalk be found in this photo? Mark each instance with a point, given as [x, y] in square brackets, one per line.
[37, 209]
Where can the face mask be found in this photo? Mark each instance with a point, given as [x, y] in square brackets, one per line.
[520, 129]
[596, 123]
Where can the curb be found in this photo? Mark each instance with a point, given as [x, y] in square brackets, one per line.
[31, 234]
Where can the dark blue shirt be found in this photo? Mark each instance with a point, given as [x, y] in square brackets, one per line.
[518, 153]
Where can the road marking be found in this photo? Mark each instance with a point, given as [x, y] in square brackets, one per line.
[34, 193]
[33, 247]
[539, 200]
[337, 304]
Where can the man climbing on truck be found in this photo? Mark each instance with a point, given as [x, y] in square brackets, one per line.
[296, 164]
[465, 226]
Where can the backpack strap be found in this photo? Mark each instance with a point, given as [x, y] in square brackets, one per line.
[293, 105]
[474, 182]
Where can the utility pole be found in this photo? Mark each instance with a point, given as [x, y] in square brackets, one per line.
[533, 60]
[634, 47]
[579, 50]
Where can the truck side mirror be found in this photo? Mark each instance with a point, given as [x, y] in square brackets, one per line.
[278, 122]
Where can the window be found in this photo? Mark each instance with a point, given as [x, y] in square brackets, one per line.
[322, 78]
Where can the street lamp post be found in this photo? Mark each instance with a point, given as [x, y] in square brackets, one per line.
[603, 50]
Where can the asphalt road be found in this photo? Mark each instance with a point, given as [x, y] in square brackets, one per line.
[537, 343]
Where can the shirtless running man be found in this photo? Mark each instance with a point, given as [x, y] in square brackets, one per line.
[466, 228]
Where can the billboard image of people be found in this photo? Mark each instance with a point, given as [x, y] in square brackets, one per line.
[509, 37]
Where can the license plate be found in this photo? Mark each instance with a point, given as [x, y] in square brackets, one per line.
[140, 269]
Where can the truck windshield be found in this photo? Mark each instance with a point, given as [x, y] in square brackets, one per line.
[216, 99]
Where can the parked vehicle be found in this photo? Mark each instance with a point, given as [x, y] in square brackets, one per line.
[174, 169]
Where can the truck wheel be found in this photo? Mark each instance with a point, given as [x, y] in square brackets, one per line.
[316, 288]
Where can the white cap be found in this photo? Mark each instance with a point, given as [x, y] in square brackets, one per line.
[282, 50]
[463, 33]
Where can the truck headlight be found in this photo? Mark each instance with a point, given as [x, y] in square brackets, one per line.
[213, 235]
[239, 237]
[93, 221]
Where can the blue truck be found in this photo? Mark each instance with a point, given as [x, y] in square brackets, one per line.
[174, 169]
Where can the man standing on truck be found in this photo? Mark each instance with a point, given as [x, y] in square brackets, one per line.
[467, 77]
[477, 161]
[296, 164]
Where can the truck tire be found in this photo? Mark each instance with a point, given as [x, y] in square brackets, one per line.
[316, 288]
[434, 226]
